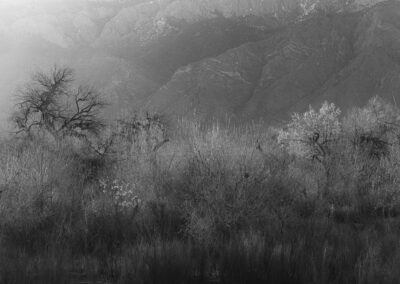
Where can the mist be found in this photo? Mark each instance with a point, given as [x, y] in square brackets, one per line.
[38, 34]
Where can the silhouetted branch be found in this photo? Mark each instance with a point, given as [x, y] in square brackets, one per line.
[49, 103]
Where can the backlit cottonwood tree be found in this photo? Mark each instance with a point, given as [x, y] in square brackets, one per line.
[50, 103]
[313, 135]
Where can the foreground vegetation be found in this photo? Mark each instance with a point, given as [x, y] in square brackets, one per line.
[141, 201]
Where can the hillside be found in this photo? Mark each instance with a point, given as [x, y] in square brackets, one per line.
[248, 58]
[345, 58]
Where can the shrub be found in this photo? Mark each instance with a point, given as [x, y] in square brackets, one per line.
[374, 128]
[312, 133]
[206, 203]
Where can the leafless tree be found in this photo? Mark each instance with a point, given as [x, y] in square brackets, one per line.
[50, 103]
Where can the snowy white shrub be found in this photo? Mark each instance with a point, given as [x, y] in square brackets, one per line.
[311, 133]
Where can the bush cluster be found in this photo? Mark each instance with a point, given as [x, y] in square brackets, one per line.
[142, 202]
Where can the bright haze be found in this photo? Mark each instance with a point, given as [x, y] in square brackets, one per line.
[248, 59]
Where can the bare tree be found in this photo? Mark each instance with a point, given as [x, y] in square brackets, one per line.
[50, 103]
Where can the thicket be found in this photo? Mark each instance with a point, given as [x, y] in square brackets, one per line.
[141, 201]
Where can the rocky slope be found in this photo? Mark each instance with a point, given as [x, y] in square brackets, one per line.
[139, 24]
[345, 58]
[131, 23]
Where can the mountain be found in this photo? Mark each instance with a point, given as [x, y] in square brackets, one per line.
[246, 58]
[139, 24]
[345, 58]
[77, 33]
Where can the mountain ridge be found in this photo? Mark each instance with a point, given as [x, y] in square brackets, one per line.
[321, 58]
[247, 58]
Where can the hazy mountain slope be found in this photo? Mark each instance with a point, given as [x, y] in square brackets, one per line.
[290, 65]
[69, 29]
[376, 69]
[315, 51]
[346, 58]
[139, 24]
[197, 41]
[213, 86]
[250, 58]
[61, 23]
[159, 59]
